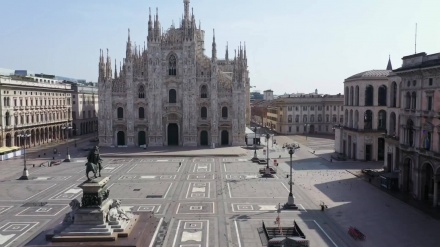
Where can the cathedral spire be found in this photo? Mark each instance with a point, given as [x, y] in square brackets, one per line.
[157, 25]
[389, 66]
[150, 26]
[116, 70]
[227, 52]
[108, 69]
[186, 10]
[245, 51]
[214, 47]
[128, 49]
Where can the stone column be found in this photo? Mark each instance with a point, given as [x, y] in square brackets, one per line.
[435, 199]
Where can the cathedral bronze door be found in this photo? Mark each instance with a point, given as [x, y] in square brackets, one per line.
[121, 138]
[225, 137]
[204, 138]
[141, 138]
[173, 134]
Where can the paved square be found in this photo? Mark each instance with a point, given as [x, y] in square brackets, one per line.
[195, 208]
[252, 189]
[237, 167]
[140, 191]
[47, 210]
[200, 176]
[23, 192]
[154, 168]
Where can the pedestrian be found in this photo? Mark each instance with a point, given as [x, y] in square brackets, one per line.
[180, 163]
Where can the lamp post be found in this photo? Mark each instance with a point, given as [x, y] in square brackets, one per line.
[25, 175]
[290, 202]
[67, 127]
[267, 172]
[306, 125]
[255, 142]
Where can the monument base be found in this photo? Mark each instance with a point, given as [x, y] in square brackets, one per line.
[141, 234]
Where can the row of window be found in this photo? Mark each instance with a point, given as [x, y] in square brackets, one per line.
[36, 93]
[172, 94]
[141, 112]
[352, 96]
[35, 118]
[32, 101]
[312, 108]
[312, 118]
[305, 129]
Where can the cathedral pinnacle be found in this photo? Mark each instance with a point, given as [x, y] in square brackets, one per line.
[227, 52]
[214, 47]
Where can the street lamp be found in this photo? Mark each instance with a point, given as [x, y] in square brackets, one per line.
[255, 142]
[67, 127]
[306, 125]
[290, 202]
[25, 175]
[267, 172]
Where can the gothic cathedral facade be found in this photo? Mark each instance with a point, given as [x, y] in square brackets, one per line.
[171, 93]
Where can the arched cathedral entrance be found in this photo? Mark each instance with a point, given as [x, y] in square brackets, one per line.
[225, 137]
[173, 134]
[121, 138]
[141, 138]
[204, 138]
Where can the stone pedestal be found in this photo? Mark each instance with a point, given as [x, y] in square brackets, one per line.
[97, 219]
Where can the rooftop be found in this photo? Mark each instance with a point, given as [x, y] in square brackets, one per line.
[370, 74]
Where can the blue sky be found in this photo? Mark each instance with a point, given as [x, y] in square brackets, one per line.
[292, 45]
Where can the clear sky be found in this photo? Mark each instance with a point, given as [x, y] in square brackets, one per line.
[292, 45]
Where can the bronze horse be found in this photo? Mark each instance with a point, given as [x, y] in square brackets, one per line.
[90, 167]
[93, 163]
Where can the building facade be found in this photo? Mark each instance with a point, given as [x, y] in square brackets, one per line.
[305, 114]
[84, 108]
[37, 106]
[171, 93]
[361, 135]
[419, 129]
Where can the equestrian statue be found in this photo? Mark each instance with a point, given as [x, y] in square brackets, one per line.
[94, 163]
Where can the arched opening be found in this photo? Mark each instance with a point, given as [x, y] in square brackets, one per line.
[382, 120]
[141, 93]
[142, 138]
[8, 140]
[172, 65]
[120, 113]
[172, 96]
[356, 95]
[203, 92]
[351, 119]
[224, 112]
[369, 95]
[380, 149]
[368, 120]
[204, 138]
[173, 134]
[346, 95]
[121, 138]
[141, 113]
[351, 95]
[225, 137]
[356, 119]
[203, 113]
[427, 182]
[394, 94]
[413, 100]
[382, 99]
[407, 176]
[7, 119]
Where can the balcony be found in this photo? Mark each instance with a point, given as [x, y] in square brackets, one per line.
[172, 107]
[407, 148]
